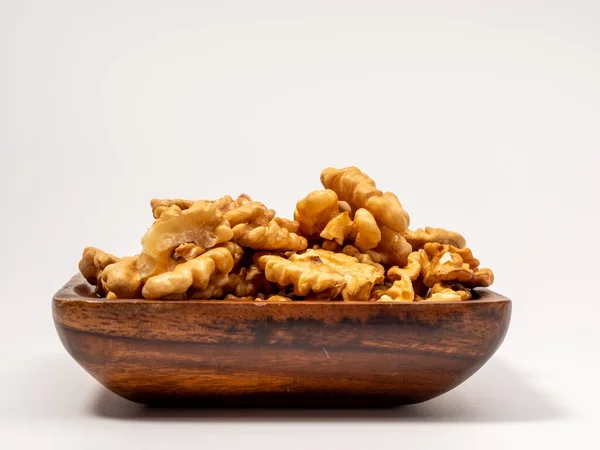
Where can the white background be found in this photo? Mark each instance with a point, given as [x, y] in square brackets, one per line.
[484, 117]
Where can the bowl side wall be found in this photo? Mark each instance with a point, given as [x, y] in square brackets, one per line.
[159, 352]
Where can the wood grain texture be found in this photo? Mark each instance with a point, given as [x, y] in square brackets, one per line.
[318, 353]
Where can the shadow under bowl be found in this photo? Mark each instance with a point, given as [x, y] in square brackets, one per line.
[307, 353]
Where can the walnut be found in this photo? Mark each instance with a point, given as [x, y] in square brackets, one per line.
[362, 230]
[344, 206]
[363, 258]
[93, 262]
[275, 299]
[122, 279]
[359, 191]
[322, 272]
[237, 252]
[223, 204]
[314, 211]
[272, 237]
[449, 263]
[161, 205]
[201, 224]
[419, 237]
[412, 269]
[450, 290]
[227, 203]
[246, 282]
[291, 225]
[238, 249]
[187, 251]
[338, 228]
[332, 246]
[195, 273]
[427, 275]
[253, 227]
[402, 289]
[393, 250]
[444, 295]
[434, 249]
[246, 213]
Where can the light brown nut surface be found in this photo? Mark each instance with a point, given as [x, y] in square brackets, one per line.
[448, 263]
[401, 291]
[195, 273]
[291, 225]
[456, 288]
[92, 263]
[271, 237]
[434, 249]
[321, 271]
[187, 251]
[419, 237]
[255, 226]
[122, 278]
[338, 228]
[445, 295]
[314, 211]
[411, 270]
[362, 231]
[246, 282]
[237, 248]
[161, 205]
[201, 224]
[363, 258]
[402, 288]
[393, 250]
[359, 191]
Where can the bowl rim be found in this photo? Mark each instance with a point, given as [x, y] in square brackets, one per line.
[68, 293]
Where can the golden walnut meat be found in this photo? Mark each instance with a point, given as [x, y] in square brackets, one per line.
[449, 263]
[93, 262]
[254, 226]
[122, 279]
[393, 249]
[159, 206]
[359, 191]
[363, 230]
[448, 292]
[248, 281]
[314, 211]
[363, 258]
[402, 289]
[202, 224]
[195, 273]
[322, 272]
[419, 237]
[238, 249]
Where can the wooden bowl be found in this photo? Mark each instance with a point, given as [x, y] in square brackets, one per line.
[313, 353]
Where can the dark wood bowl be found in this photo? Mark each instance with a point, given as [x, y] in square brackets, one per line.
[312, 353]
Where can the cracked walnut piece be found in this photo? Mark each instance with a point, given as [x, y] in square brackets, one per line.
[122, 279]
[393, 250]
[322, 272]
[359, 191]
[402, 289]
[195, 273]
[255, 227]
[362, 230]
[419, 237]
[93, 262]
[443, 262]
[202, 224]
[314, 211]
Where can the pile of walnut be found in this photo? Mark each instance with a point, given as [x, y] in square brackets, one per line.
[350, 241]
